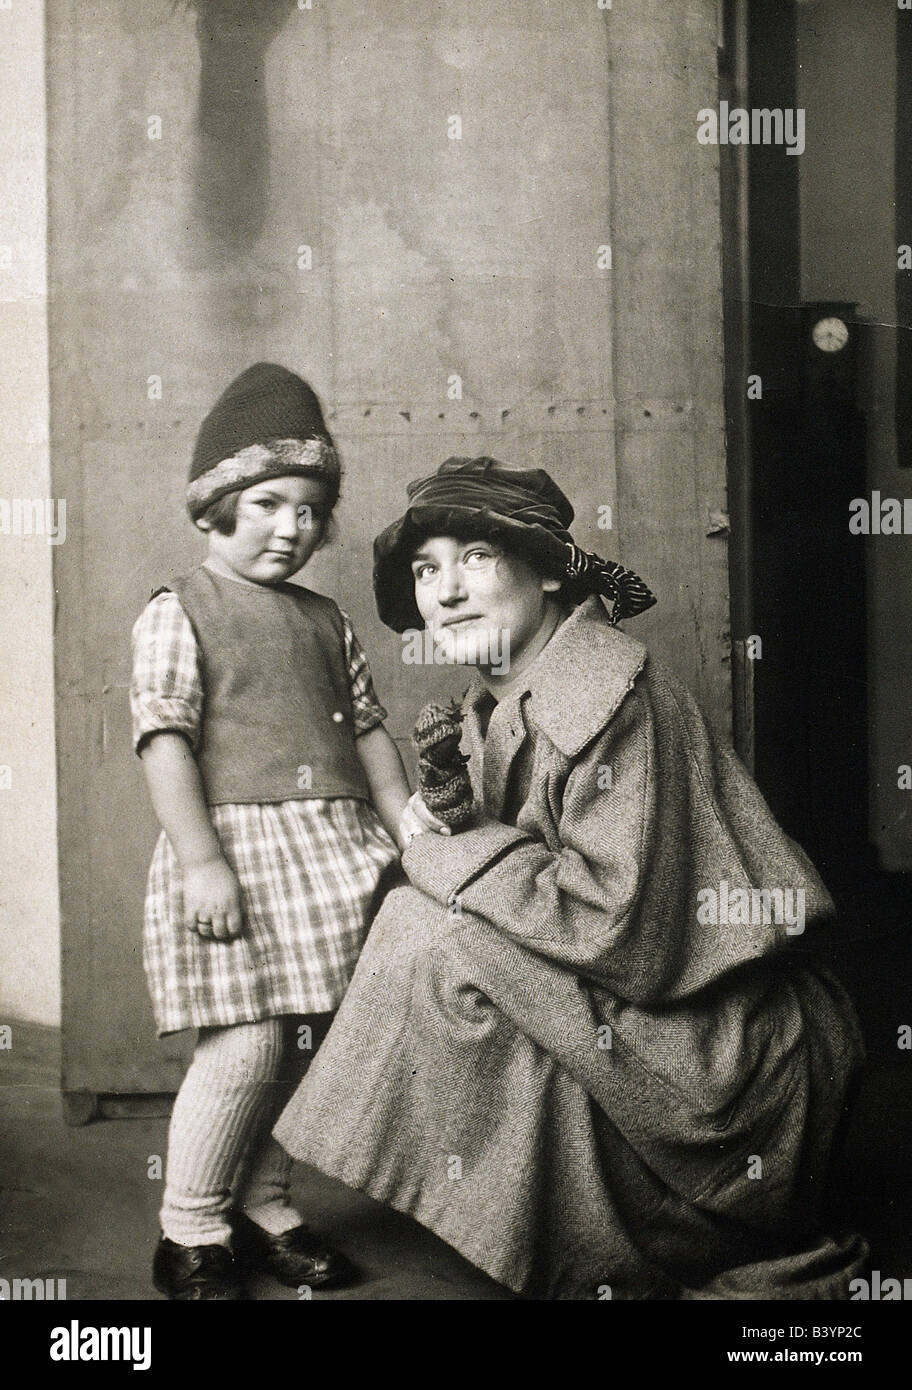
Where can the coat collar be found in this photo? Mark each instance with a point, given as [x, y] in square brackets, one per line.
[578, 681]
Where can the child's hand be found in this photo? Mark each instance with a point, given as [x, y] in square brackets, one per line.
[416, 819]
[212, 900]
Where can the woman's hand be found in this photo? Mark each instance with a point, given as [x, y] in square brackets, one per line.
[212, 900]
[416, 819]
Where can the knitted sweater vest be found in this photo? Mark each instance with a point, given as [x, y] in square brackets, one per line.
[277, 716]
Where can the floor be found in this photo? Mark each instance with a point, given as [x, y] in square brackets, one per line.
[80, 1204]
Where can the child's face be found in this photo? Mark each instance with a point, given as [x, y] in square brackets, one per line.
[279, 525]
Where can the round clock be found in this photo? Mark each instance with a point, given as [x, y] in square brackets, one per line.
[830, 335]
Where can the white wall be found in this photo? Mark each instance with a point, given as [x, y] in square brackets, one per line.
[29, 913]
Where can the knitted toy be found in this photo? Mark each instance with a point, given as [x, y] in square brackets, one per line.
[443, 780]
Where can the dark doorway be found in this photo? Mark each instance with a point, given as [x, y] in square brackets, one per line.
[807, 463]
[796, 460]
[810, 709]
[806, 712]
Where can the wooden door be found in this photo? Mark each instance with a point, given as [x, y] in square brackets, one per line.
[473, 229]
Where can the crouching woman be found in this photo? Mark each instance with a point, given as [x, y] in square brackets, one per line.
[554, 1053]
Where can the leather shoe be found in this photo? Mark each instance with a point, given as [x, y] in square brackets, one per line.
[195, 1272]
[296, 1257]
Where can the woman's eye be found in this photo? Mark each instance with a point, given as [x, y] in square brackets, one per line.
[423, 572]
[266, 503]
[476, 556]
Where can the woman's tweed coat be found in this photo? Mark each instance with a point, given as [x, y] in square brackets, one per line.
[544, 1056]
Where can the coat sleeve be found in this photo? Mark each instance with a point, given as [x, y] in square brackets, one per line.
[575, 906]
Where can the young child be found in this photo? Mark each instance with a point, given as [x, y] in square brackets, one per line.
[263, 745]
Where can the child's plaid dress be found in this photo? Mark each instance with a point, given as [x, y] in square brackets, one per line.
[307, 869]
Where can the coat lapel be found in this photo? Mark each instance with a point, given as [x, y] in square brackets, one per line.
[579, 681]
[492, 755]
[506, 735]
[472, 741]
[574, 687]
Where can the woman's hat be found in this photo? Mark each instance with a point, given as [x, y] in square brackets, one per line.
[266, 424]
[522, 508]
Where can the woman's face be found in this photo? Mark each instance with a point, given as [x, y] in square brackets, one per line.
[483, 606]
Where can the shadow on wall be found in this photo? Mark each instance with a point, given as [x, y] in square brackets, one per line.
[231, 157]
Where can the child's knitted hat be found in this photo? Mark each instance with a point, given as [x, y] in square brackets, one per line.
[267, 424]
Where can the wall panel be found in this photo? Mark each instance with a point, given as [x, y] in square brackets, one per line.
[178, 258]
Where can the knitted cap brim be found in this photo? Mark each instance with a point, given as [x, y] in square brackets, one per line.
[281, 458]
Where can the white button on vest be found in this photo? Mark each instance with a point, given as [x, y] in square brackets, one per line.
[338, 717]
